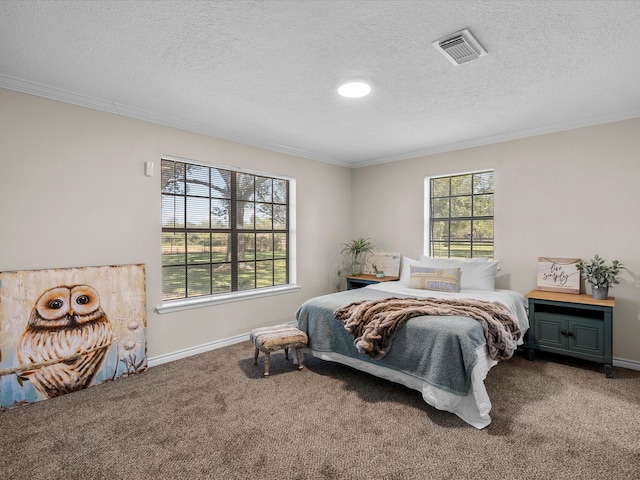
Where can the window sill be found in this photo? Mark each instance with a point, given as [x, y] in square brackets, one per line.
[199, 302]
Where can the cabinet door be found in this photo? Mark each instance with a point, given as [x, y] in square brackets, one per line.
[550, 330]
[588, 336]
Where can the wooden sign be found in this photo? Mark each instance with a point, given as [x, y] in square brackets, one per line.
[558, 275]
[389, 263]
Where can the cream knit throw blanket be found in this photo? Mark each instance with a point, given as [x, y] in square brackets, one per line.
[374, 323]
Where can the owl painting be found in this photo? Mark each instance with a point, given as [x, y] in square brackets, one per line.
[66, 338]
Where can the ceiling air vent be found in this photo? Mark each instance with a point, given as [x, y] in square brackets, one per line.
[460, 47]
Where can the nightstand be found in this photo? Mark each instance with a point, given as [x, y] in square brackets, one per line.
[366, 279]
[569, 324]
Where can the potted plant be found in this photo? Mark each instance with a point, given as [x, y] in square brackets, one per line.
[379, 273]
[355, 248]
[600, 275]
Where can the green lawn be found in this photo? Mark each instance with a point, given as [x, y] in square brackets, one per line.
[203, 281]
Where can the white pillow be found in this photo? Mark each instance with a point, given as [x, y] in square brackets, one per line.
[405, 270]
[476, 274]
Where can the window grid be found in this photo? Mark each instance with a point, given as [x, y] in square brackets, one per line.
[215, 243]
[461, 215]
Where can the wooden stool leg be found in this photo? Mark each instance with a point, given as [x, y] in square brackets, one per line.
[266, 364]
[299, 356]
[286, 354]
[255, 356]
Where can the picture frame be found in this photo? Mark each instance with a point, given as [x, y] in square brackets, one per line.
[558, 275]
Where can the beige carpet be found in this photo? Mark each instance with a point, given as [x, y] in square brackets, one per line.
[213, 416]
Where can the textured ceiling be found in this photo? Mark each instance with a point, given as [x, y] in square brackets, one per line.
[266, 73]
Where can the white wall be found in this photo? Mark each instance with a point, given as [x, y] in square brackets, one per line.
[73, 193]
[568, 194]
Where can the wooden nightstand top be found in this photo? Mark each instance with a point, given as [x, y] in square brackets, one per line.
[372, 278]
[582, 298]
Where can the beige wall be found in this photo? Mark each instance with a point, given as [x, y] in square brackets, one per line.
[568, 194]
[73, 193]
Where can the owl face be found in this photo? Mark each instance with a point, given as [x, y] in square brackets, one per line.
[65, 306]
[66, 320]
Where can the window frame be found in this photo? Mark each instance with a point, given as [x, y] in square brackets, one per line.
[429, 219]
[170, 305]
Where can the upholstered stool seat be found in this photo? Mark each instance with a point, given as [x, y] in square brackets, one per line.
[270, 339]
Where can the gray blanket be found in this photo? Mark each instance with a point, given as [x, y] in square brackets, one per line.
[438, 350]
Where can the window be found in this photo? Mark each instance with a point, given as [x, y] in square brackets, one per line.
[460, 215]
[223, 231]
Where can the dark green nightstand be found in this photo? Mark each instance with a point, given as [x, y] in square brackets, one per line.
[366, 279]
[579, 326]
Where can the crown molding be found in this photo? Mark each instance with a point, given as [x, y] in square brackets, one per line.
[516, 135]
[53, 93]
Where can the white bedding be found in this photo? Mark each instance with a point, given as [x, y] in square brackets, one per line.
[474, 407]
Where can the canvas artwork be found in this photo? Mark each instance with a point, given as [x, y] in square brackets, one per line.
[62, 330]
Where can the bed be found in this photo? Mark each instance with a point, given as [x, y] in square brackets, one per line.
[444, 357]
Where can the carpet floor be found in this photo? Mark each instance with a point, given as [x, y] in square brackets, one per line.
[213, 416]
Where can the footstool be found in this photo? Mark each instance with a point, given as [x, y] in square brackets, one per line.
[270, 339]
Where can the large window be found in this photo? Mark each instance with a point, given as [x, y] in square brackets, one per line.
[222, 230]
[460, 210]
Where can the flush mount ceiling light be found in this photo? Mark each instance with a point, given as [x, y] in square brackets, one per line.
[355, 89]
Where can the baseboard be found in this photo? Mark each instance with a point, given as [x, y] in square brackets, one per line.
[188, 352]
[630, 364]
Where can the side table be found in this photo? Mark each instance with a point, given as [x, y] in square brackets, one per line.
[365, 279]
[578, 326]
